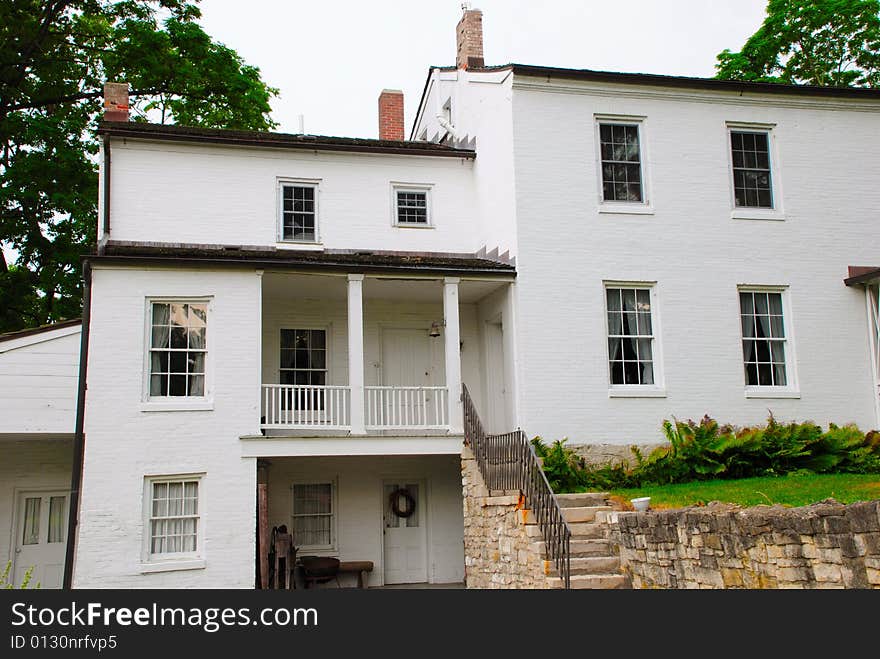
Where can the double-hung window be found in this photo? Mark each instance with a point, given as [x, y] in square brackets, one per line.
[621, 162]
[304, 363]
[632, 357]
[299, 212]
[765, 340]
[314, 515]
[752, 178]
[411, 206]
[178, 349]
[174, 517]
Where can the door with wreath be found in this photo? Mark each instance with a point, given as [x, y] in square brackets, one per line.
[404, 521]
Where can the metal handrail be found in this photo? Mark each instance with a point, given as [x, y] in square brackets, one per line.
[508, 462]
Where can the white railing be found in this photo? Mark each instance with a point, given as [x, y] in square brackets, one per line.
[393, 407]
[305, 406]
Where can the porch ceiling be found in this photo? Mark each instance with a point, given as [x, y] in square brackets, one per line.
[288, 285]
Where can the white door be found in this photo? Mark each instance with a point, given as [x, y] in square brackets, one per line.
[41, 537]
[496, 378]
[406, 547]
[410, 358]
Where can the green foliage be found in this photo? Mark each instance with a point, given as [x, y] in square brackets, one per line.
[706, 451]
[833, 43]
[6, 584]
[562, 466]
[54, 58]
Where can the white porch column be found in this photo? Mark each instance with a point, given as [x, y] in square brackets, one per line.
[356, 352]
[452, 338]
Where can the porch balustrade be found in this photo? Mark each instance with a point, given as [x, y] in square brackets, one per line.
[392, 407]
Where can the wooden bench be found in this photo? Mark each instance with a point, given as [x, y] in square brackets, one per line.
[359, 567]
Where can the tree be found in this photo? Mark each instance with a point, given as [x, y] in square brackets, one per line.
[54, 58]
[832, 43]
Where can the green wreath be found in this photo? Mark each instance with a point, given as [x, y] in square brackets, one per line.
[410, 502]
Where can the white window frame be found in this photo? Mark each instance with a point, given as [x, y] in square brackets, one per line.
[174, 403]
[333, 547]
[169, 562]
[644, 207]
[427, 188]
[775, 213]
[791, 389]
[658, 389]
[279, 209]
[327, 329]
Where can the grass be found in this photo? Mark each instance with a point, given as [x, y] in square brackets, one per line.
[791, 490]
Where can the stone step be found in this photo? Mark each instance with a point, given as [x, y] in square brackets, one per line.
[582, 499]
[586, 531]
[594, 581]
[580, 548]
[595, 565]
[583, 513]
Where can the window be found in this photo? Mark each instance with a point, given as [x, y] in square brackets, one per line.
[621, 162]
[314, 511]
[631, 347]
[411, 207]
[299, 212]
[764, 339]
[178, 349]
[304, 362]
[750, 152]
[173, 518]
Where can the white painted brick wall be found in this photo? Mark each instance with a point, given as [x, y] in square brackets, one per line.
[697, 254]
[124, 444]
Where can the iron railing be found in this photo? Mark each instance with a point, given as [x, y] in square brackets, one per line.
[508, 462]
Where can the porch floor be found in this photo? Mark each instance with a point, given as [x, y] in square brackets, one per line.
[422, 586]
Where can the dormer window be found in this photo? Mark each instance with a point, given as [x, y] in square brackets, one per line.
[299, 212]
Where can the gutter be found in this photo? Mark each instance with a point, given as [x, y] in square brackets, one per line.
[79, 434]
[105, 223]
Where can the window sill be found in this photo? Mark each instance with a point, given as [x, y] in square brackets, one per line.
[399, 225]
[757, 214]
[173, 566]
[625, 209]
[168, 406]
[297, 244]
[646, 392]
[770, 392]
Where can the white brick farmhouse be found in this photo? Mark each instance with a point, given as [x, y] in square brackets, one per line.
[279, 326]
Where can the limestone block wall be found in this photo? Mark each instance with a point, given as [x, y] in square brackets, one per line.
[826, 545]
[501, 549]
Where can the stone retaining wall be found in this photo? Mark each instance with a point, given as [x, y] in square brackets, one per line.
[601, 454]
[498, 550]
[826, 545]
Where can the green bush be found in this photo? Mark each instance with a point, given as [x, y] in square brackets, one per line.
[706, 451]
[5, 584]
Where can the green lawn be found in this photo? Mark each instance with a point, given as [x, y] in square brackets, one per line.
[794, 490]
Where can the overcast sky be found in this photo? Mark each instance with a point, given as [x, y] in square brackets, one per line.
[331, 58]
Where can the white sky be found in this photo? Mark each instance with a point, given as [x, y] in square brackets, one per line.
[331, 58]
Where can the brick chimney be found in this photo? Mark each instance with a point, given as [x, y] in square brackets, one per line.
[115, 101]
[469, 39]
[391, 114]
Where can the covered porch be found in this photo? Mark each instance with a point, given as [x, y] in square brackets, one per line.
[868, 278]
[376, 355]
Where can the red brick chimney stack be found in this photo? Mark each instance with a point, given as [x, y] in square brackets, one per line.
[391, 114]
[469, 39]
[115, 101]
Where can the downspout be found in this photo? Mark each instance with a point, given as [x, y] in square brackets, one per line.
[105, 215]
[79, 435]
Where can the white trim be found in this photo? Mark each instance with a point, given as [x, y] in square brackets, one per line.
[150, 403]
[261, 446]
[658, 389]
[178, 560]
[333, 481]
[427, 188]
[315, 184]
[776, 212]
[791, 389]
[644, 207]
[39, 337]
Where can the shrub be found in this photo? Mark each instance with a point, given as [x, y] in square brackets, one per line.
[705, 450]
[5, 584]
